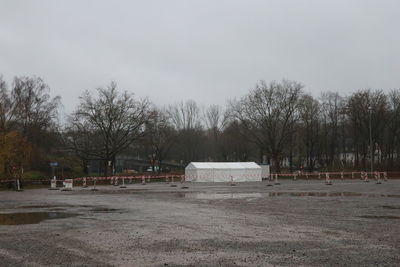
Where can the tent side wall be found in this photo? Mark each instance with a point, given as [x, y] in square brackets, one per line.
[223, 172]
[265, 171]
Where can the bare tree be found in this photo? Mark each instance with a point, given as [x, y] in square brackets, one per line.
[269, 112]
[104, 126]
[215, 117]
[215, 120]
[393, 131]
[359, 106]
[332, 103]
[187, 121]
[35, 110]
[160, 137]
[7, 108]
[309, 110]
[185, 115]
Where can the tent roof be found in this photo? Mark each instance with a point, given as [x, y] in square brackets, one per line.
[223, 165]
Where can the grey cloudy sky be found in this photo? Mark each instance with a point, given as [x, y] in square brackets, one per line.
[207, 50]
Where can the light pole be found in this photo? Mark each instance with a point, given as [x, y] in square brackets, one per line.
[370, 138]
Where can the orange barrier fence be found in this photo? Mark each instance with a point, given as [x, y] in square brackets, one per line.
[181, 177]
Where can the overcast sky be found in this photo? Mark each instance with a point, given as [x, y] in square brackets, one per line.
[204, 50]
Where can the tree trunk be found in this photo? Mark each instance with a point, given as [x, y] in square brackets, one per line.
[275, 159]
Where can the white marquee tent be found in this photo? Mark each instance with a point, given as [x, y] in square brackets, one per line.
[223, 172]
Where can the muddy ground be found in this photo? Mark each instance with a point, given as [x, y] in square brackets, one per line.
[297, 223]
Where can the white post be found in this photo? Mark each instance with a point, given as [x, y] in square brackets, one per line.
[123, 183]
[94, 184]
[232, 183]
[366, 177]
[378, 177]
[53, 184]
[276, 179]
[18, 187]
[327, 179]
[172, 182]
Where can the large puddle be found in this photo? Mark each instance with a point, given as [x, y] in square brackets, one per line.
[387, 217]
[31, 217]
[219, 195]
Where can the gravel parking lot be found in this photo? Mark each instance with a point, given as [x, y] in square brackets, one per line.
[296, 223]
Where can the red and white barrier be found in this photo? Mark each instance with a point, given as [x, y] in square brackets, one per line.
[68, 184]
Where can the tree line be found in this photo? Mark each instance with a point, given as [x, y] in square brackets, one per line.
[275, 123]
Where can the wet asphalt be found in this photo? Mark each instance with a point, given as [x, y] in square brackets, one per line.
[296, 223]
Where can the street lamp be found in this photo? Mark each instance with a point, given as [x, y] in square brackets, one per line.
[370, 137]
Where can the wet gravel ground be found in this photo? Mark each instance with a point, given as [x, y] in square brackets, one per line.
[297, 223]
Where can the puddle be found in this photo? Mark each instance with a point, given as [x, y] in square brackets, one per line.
[279, 194]
[37, 206]
[391, 207]
[31, 217]
[380, 217]
[223, 195]
[105, 210]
